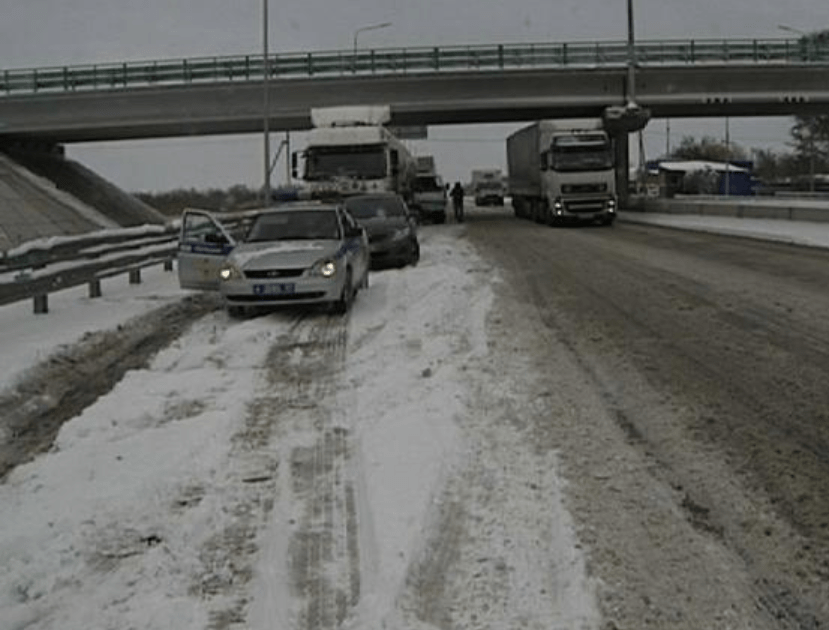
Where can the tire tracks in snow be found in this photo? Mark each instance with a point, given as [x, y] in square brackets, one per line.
[63, 385]
[312, 545]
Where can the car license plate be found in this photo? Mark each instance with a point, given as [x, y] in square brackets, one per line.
[274, 289]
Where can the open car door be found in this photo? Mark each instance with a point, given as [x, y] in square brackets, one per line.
[202, 247]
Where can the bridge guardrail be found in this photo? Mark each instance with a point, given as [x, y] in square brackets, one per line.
[385, 61]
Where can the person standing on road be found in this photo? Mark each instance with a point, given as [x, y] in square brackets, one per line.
[457, 201]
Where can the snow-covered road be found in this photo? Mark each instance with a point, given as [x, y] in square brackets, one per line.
[299, 470]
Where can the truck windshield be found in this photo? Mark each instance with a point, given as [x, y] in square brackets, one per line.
[358, 162]
[427, 184]
[586, 153]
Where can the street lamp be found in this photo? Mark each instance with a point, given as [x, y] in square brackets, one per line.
[808, 40]
[266, 192]
[783, 27]
[362, 29]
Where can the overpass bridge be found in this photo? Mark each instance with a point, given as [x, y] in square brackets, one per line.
[423, 86]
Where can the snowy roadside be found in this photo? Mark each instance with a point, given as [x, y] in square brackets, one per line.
[288, 471]
[28, 339]
[808, 233]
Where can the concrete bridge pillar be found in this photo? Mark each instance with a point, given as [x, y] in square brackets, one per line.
[622, 148]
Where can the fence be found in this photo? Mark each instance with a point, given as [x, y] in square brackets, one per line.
[385, 61]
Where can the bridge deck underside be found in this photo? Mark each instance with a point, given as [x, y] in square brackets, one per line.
[416, 99]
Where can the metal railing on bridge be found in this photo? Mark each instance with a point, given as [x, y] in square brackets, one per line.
[390, 61]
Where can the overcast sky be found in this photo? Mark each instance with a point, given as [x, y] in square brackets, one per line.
[37, 33]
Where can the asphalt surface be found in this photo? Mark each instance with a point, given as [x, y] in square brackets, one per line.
[710, 354]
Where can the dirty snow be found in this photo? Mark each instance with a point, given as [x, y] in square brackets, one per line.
[168, 503]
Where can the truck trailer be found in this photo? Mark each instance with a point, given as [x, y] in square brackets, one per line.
[562, 170]
[351, 152]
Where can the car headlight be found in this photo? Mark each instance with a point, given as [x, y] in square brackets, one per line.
[400, 234]
[325, 268]
[229, 271]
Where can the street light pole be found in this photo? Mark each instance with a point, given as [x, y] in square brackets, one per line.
[362, 29]
[266, 192]
[809, 39]
[631, 57]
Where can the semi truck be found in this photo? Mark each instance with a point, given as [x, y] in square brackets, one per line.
[488, 187]
[350, 152]
[562, 170]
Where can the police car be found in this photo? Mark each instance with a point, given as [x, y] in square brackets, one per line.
[298, 253]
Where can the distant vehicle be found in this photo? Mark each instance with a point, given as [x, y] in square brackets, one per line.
[391, 227]
[425, 165]
[488, 187]
[562, 170]
[428, 192]
[429, 198]
[351, 152]
[299, 253]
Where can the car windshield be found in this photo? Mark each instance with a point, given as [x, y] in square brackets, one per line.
[295, 225]
[375, 207]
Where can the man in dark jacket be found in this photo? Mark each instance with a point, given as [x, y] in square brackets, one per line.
[457, 201]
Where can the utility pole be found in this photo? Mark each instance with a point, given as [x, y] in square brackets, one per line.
[266, 187]
[727, 158]
[631, 57]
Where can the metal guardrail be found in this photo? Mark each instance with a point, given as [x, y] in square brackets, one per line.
[390, 61]
[35, 269]
[43, 267]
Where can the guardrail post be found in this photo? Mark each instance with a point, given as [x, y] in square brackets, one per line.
[41, 304]
[95, 288]
[135, 276]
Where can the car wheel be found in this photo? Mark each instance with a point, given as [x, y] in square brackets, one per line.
[342, 306]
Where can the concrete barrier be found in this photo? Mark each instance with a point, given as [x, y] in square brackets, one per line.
[816, 210]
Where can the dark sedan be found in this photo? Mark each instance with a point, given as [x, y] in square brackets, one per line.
[391, 228]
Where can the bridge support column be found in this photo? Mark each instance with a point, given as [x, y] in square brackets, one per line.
[622, 148]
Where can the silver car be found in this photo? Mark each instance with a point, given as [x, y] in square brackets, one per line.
[303, 253]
